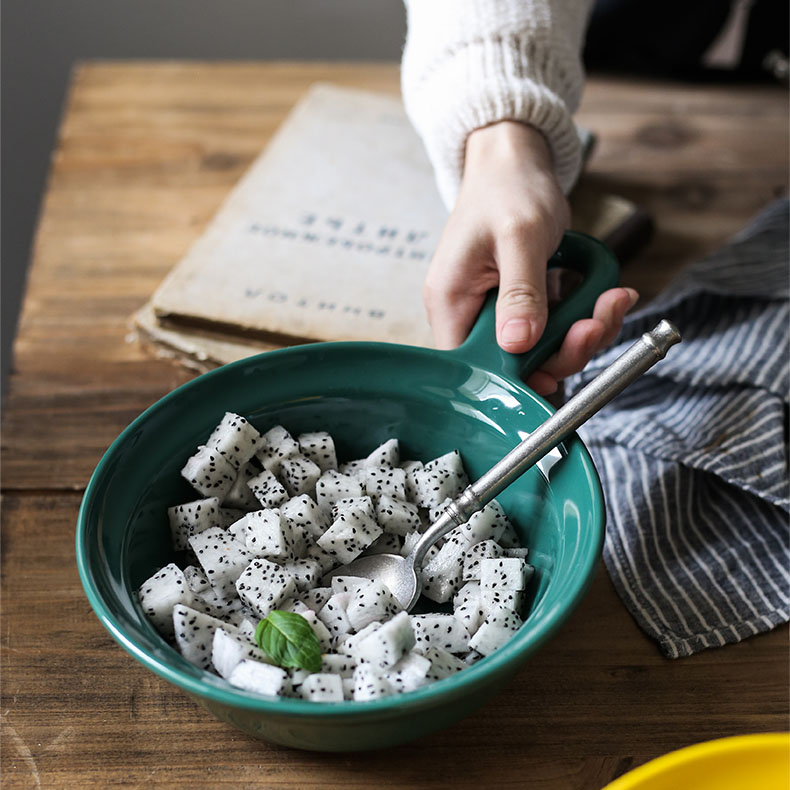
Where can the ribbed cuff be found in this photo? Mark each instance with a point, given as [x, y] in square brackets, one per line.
[520, 77]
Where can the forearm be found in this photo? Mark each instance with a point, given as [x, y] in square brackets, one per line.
[470, 63]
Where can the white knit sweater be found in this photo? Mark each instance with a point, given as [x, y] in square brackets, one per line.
[469, 63]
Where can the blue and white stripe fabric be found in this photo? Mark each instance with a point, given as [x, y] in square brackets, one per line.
[694, 456]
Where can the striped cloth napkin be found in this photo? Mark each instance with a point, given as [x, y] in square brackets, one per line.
[693, 457]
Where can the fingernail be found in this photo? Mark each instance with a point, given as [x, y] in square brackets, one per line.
[516, 330]
[633, 296]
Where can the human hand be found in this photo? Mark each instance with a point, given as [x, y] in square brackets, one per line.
[507, 222]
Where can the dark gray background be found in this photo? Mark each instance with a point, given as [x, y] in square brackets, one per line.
[42, 39]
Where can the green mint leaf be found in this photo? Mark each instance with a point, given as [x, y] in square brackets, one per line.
[288, 639]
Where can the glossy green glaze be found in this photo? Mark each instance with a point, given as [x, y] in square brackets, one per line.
[362, 393]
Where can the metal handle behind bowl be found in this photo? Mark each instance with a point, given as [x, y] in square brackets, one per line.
[599, 270]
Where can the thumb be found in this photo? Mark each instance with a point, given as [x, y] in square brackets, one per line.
[521, 308]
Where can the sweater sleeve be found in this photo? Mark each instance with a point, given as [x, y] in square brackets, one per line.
[470, 63]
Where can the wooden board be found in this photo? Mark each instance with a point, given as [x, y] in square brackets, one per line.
[146, 153]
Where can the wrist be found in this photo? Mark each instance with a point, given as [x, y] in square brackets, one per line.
[508, 143]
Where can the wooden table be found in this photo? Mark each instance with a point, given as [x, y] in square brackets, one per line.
[145, 155]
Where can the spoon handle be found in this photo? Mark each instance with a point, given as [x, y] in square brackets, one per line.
[637, 359]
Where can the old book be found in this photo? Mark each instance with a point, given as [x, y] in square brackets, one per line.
[326, 237]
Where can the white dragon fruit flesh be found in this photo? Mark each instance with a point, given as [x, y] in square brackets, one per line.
[252, 675]
[276, 444]
[277, 513]
[267, 534]
[194, 634]
[221, 557]
[234, 439]
[209, 472]
[190, 518]
[322, 687]
[268, 490]
[161, 592]
[299, 475]
[319, 447]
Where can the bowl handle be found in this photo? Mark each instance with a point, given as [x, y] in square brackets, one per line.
[599, 269]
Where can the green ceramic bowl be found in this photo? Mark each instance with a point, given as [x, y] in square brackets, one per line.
[362, 393]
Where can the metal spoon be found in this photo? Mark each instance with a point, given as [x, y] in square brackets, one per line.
[402, 575]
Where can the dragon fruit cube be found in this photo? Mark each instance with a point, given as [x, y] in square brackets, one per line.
[350, 535]
[319, 447]
[387, 644]
[234, 439]
[508, 599]
[386, 454]
[294, 605]
[299, 475]
[298, 541]
[486, 524]
[409, 673]
[196, 579]
[338, 664]
[348, 584]
[192, 517]
[209, 472]
[303, 511]
[409, 543]
[320, 630]
[439, 479]
[160, 593]
[263, 586]
[443, 663]
[442, 575]
[261, 678]
[348, 688]
[268, 490]
[306, 573]
[370, 683]
[221, 557]
[194, 634]
[267, 534]
[499, 626]
[503, 573]
[370, 603]
[333, 615]
[363, 503]
[378, 480]
[346, 643]
[397, 517]
[316, 598]
[469, 593]
[411, 467]
[509, 539]
[485, 549]
[470, 615]
[275, 445]
[224, 608]
[333, 485]
[322, 687]
[326, 559]
[228, 649]
[439, 630]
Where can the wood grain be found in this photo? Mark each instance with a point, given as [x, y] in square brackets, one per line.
[145, 155]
